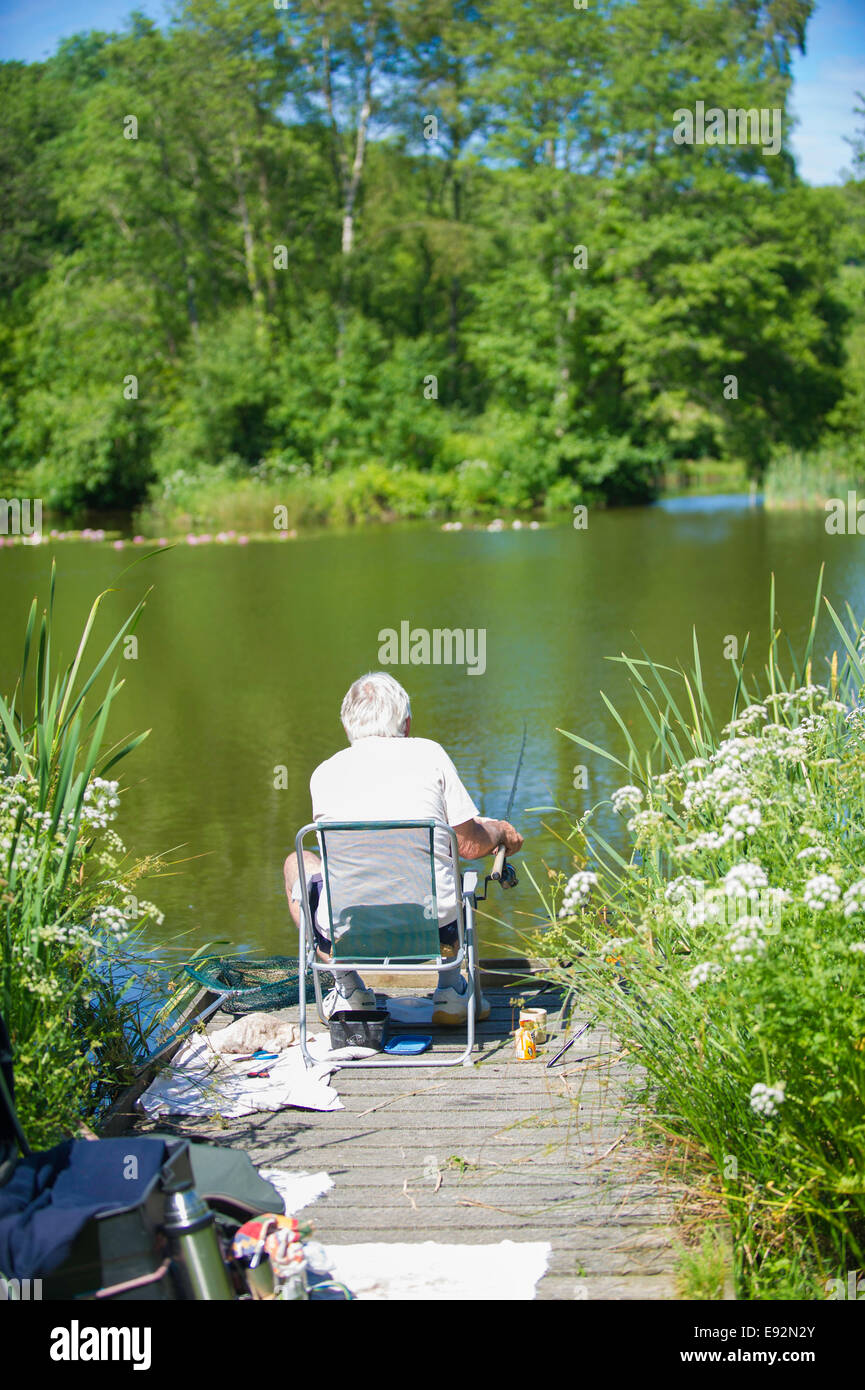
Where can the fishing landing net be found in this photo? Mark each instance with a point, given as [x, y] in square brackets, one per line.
[266, 982]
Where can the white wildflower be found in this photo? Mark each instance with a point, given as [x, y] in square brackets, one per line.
[666, 779]
[148, 909]
[821, 892]
[682, 888]
[745, 941]
[703, 972]
[748, 717]
[645, 821]
[627, 799]
[109, 919]
[100, 803]
[577, 891]
[766, 1099]
[744, 879]
[854, 898]
[818, 852]
[745, 820]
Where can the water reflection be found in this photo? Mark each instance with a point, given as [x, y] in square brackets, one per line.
[245, 654]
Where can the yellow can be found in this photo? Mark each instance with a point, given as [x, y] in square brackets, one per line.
[524, 1044]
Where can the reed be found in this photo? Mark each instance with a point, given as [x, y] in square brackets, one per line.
[808, 480]
[69, 907]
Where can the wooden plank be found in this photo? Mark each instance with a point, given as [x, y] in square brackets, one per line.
[555, 1155]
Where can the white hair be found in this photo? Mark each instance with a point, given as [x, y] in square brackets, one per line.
[376, 706]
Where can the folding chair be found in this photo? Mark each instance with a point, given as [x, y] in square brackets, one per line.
[379, 894]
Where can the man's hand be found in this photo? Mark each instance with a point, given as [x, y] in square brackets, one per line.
[511, 838]
[481, 836]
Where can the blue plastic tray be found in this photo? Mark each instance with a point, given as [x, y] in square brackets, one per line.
[408, 1045]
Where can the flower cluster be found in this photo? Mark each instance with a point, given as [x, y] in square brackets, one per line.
[151, 911]
[683, 888]
[821, 892]
[854, 899]
[100, 803]
[744, 820]
[766, 1099]
[750, 716]
[745, 880]
[646, 822]
[725, 796]
[627, 799]
[818, 852]
[577, 891]
[745, 940]
[110, 920]
[703, 972]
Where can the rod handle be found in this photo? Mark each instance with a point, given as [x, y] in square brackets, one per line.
[499, 864]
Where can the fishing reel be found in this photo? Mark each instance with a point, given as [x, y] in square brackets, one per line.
[509, 876]
[506, 876]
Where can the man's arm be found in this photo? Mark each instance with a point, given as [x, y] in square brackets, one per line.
[481, 836]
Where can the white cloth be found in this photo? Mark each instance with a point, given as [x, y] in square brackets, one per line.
[504, 1272]
[200, 1081]
[396, 779]
[297, 1190]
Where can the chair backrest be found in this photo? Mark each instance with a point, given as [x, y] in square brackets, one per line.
[379, 888]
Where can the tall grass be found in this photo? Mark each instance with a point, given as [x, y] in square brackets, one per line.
[216, 499]
[68, 895]
[726, 948]
[809, 480]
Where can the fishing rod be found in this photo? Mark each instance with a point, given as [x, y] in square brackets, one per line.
[562, 1050]
[502, 871]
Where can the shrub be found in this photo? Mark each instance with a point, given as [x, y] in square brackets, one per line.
[727, 948]
[68, 897]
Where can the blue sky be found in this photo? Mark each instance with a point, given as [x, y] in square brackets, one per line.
[826, 78]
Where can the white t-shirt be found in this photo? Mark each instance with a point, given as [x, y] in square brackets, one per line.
[397, 779]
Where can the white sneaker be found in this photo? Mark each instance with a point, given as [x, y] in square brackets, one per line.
[450, 1008]
[356, 1000]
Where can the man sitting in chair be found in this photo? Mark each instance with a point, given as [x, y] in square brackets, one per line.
[385, 775]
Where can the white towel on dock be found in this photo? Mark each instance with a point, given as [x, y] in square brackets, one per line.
[297, 1190]
[507, 1271]
[201, 1082]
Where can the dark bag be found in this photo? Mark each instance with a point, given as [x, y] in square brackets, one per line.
[86, 1217]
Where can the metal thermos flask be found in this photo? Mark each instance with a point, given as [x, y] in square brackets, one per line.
[194, 1245]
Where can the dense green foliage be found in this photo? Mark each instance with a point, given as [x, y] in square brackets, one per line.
[324, 206]
[69, 910]
[726, 950]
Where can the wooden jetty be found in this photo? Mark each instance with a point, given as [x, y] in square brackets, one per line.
[503, 1150]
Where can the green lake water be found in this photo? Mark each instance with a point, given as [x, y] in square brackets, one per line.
[245, 653]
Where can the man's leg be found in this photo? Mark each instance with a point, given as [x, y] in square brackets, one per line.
[291, 871]
[450, 1001]
[349, 989]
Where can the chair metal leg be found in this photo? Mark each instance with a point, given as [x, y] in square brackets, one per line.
[473, 981]
[319, 1001]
